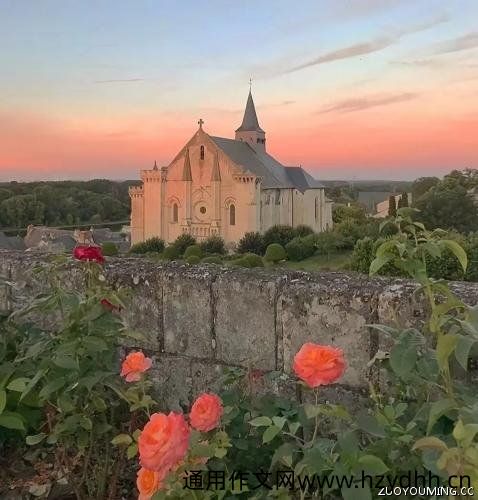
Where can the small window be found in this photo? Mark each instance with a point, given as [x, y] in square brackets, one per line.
[202, 210]
[202, 153]
[175, 212]
[232, 215]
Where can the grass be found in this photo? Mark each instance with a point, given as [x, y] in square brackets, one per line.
[335, 262]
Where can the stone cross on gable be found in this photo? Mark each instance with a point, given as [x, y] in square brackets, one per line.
[200, 122]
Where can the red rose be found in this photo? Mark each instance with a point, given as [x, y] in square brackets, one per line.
[206, 412]
[109, 306]
[89, 253]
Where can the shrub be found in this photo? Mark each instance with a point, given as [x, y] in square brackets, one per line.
[213, 244]
[472, 251]
[182, 242]
[193, 250]
[279, 234]
[171, 252]
[300, 249]
[302, 230]
[153, 244]
[328, 242]
[275, 253]
[212, 259]
[251, 242]
[249, 260]
[109, 248]
[193, 259]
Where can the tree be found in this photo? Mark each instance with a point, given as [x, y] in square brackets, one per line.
[422, 185]
[403, 201]
[392, 206]
[341, 213]
[448, 206]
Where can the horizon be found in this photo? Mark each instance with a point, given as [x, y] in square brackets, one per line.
[385, 89]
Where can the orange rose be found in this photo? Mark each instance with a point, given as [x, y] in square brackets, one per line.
[134, 365]
[148, 483]
[206, 412]
[319, 364]
[164, 441]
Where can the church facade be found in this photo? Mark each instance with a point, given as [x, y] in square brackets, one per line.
[225, 187]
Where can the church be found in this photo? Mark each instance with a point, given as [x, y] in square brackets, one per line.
[226, 187]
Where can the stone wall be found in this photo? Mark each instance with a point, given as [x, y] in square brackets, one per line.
[199, 318]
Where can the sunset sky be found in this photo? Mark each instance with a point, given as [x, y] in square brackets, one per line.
[365, 89]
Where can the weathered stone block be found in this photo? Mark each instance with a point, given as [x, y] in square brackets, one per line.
[244, 302]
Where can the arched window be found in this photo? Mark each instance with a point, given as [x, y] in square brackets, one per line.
[175, 212]
[232, 215]
[202, 152]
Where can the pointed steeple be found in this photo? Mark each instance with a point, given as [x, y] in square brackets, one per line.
[216, 173]
[187, 167]
[250, 130]
[250, 121]
[155, 165]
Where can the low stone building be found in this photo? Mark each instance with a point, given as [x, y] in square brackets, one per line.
[226, 187]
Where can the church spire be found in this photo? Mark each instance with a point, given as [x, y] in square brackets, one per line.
[250, 130]
[187, 167]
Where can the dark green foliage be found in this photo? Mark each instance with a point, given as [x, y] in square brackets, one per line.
[63, 203]
[193, 250]
[153, 244]
[249, 260]
[171, 252]
[279, 234]
[300, 248]
[403, 201]
[328, 242]
[193, 259]
[109, 248]
[349, 232]
[275, 253]
[182, 242]
[392, 206]
[341, 213]
[212, 259]
[251, 242]
[422, 185]
[213, 244]
[302, 230]
[448, 206]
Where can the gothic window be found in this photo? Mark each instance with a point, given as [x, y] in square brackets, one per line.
[202, 153]
[316, 208]
[232, 215]
[175, 212]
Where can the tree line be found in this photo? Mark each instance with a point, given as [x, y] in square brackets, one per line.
[63, 203]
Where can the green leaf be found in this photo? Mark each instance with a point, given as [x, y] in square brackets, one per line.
[95, 344]
[379, 262]
[33, 382]
[260, 422]
[370, 424]
[372, 464]
[279, 421]
[132, 451]
[294, 426]
[458, 251]
[3, 400]
[270, 433]
[358, 493]
[462, 350]
[38, 438]
[18, 384]
[122, 440]
[437, 409]
[52, 387]
[445, 346]
[284, 454]
[12, 421]
[66, 362]
[403, 357]
[311, 411]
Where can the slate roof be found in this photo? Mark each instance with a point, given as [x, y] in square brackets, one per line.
[250, 121]
[261, 164]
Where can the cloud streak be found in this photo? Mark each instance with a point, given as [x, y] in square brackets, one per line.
[465, 42]
[363, 103]
[124, 80]
[360, 49]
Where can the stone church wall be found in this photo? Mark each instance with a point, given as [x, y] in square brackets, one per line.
[197, 319]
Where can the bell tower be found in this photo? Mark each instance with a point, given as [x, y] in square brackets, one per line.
[250, 131]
